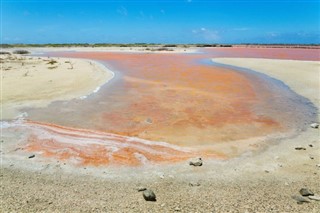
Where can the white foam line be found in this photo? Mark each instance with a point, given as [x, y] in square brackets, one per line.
[103, 67]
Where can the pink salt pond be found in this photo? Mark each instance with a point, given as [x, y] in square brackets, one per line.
[164, 108]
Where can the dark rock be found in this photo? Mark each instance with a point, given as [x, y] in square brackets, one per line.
[196, 162]
[300, 199]
[300, 148]
[306, 192]
[31, 156]
[149, 195]
[140, 189]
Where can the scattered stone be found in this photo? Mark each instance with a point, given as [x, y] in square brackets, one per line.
[177, 209]
[311, 157]
[306, 192]
[286, 184]
[149, 195]
[300, 148]
[310, 145]
[140, 189]
[314, 197]
[149, 120]
[318, 165]
[31, 156]
[300, 199]
[314, 125]
[194, 184]
[266, 171]
[196, 162]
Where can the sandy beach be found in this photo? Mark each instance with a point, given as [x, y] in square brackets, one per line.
[43, 80]
[301, 76]
[263, 181]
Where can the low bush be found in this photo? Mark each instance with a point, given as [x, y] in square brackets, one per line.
[21, 52]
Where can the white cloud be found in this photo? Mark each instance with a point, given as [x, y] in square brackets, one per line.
[122, 11]
[207, 34]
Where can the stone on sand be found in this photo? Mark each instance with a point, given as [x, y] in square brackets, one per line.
[149, 195]
[195, 162]
[314, 125]
[306, 192]
[314, 197]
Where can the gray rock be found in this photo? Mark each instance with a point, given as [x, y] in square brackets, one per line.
[314, 197]
[314, 125]
[149, 120]
[306, 192]
[140, 189]
[149, 195]
[300, 199]
[196, 162]
[300, 148]
[31, 156]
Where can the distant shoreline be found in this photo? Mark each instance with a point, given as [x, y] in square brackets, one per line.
[161, 47]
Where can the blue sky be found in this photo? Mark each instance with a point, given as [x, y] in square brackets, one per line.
[175, 21]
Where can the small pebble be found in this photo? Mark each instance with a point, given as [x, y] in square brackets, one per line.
[194, 184]
[196, 162]
[31, 156]
[314, 197]
[314, 125]
[300, 148]
[306, 192]
[177, 209]
[140, 189]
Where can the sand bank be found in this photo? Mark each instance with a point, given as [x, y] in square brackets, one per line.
[38, 81]
[301, 76]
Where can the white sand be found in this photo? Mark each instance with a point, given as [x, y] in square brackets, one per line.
[34, 82]
[301, 76]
